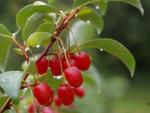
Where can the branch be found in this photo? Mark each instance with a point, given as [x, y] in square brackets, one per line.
[60, 27]
[21, 47]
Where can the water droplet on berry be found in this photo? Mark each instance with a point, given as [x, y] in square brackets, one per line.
[88, 21]
[58, 77]
[37, 46]
[97, 7]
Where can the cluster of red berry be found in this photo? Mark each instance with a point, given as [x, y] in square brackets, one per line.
[68, 65]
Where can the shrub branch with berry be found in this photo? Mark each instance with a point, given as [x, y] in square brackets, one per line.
[55, 67]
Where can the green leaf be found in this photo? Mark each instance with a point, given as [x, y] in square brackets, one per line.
[135, 3]
[10, 111]
[81, 31]
[82, 2]
[115, 48]
[27, 11]
[3, 100]
[4, 31]
[5, 44]
[32, 23]
[38, 39]
[10, 82]
[102, 6]
[51, 80]
[46, 27]
[29, 67]
[51, 1]
[91, 16]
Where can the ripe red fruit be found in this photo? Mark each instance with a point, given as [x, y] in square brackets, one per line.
[71, 60]
[55, 66]
[65, 93]
[83, 61]
[57, 101]
[31, 108]
[43, 94]
[73, 76]
[47, 110]
[42, 65]
[79, 92]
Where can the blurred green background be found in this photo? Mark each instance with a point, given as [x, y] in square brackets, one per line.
[121, 93]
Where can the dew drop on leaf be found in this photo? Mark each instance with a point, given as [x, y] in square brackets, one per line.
[97, 7]
[101, 50]
[88, 21]
[98, 32]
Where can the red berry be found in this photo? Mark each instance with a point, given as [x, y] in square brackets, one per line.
[83, 61]
[43, 94]
[70, 58]
[42, 66]
[79, 92]
[65, 93]
[57, 101]
[47, 110]
[55, 66]
[31, 108]
[73, 76]
[71, 62]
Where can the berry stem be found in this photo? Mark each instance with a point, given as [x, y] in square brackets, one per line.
[34, 103]
[74, 39]
[61, 43]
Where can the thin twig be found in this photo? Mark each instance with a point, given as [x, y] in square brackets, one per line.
[21, 47]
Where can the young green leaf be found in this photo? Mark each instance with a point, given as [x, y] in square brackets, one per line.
[38, 39]
[10, 82]
[90, 16]
[32, 23]
[135, 3]
[115, 48]
[27, 11]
